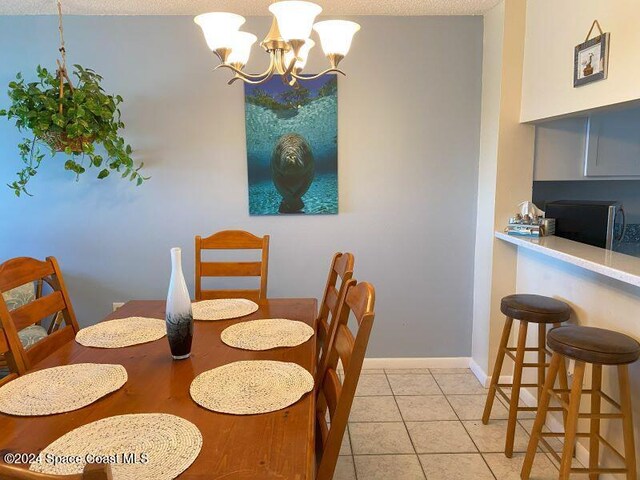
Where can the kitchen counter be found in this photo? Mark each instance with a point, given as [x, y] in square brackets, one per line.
[619, 266]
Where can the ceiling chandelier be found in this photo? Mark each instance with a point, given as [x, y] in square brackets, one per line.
[287, 43]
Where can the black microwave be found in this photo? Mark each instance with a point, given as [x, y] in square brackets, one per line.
[596, 223]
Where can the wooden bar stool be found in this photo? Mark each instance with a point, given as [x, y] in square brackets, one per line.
[527, 309]
[598, 347]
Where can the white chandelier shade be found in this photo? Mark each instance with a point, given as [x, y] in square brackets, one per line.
[303, 55]
[218, 28]
[241, 43]
[287, 43]
[295, 18]
[336, 36]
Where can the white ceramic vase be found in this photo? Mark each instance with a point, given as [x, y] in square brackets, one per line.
[178, 312]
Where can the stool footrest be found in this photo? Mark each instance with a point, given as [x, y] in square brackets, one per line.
[600, 438]
[528, 349]
[598, 470]
[535, 409]
[509, 385]
[599, 415]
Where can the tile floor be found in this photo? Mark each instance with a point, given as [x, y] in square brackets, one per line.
[425, 424]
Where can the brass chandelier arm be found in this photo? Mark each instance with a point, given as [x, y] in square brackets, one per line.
[241, 76]
[313, 77]
[268, 71]
[276, 65]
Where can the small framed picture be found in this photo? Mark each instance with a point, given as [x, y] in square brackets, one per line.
[591, 60]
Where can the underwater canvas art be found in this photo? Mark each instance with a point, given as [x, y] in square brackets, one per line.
[292, 146]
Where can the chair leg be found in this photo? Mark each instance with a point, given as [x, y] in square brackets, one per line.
[564, 383]
[542, 355]
[571, 426]
[497, 369]
[627, 422]
[594, 428]
[541, 416]
[515, 389]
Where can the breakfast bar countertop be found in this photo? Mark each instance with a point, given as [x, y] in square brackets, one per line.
[619, 266]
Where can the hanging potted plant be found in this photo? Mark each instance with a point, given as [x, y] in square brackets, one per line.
[71, 119]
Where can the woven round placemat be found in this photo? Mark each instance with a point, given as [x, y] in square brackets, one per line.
[251, 386]
[266, 334]
[60, 389]
[153, 446]
[223, 308]
[122, 332]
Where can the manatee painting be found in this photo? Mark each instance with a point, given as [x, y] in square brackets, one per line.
[292, 148]
[292, 168]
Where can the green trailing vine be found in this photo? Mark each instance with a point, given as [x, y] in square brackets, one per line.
[88, 116]
[72, 119]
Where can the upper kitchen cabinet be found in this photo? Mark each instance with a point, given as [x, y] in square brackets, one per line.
[613, 144]
[560, 150]
[553, 29]
[602, 146]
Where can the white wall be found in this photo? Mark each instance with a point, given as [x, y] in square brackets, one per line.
[505, 175]
[487, 171]
[554, 28]
[409, 119]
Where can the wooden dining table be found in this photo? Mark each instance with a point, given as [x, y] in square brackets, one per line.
[276, 445]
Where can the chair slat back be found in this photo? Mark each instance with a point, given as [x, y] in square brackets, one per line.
[232, 240]
[333, 396]
[16, 272]
[21, 270]
[342, 269]
[91, 471]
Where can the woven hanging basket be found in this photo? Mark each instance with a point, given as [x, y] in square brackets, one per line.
[59, 141]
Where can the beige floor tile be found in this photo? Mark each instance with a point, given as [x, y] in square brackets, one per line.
[440, 437]
[386, 467]
[374, 409]
[397, 371]
[490, 438]
[455, 466]
[509, 468]
[435, 371]
[425, 408]
[371, 385]
[412, 384]
[345, 447]
[370, 371]
[471, 407]
[459, 383]
[379, 438]
[344, 469]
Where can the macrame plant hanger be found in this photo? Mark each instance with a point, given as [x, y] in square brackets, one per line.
[62, 65]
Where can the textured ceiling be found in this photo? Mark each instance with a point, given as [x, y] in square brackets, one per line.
[244, 7]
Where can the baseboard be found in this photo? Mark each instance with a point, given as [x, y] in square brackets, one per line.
[419, 362]
[482, 376]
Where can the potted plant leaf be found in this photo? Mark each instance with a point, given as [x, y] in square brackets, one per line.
[71, 119]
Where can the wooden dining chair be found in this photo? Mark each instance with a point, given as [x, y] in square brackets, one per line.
[232, 240]
[22, 270]
[332, 395]
[341, 268]
[12, 364]
[92, 471]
